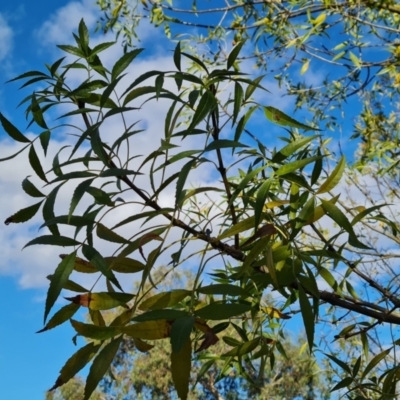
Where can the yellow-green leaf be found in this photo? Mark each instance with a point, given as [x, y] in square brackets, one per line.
[149, 330]
[334, 178]
[164, 300]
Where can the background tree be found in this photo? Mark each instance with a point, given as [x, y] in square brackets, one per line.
[251, 230]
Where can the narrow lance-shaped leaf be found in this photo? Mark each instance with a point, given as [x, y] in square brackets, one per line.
[53, 240]
[124, 62]
[100, 366]
[79, 360]
[334, 178]
[234, 54]
[308, 316]
[61, 275]
[280, 118]
[35, 164]
[217, 311]
[107, 234]
[180, 369]
[30, 189]
[180, 332]
[62, 315]
[12, 131]
[100, 263]
[206, 104]
[24, 215]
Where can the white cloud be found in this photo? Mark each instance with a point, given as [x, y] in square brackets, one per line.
[6, 38]
[58, 29]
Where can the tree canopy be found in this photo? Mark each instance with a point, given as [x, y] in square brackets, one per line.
[269, 217]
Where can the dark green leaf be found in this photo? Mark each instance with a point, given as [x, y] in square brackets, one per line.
[165, 313]
[109, 235]
[71, 50]
[180, 332]
[62, 315]
[124, 62]
[223, 289]
[118, 172]
[31, 189]
[48, 209]
[234, 53]
[217, 311]
[60, 277]
[223, 144]
[76, 363]
[12, 131]
[94, 332]
[44, 138]
[24, 215]
[237, 101]
[295, 165]
[80, 190]
[100, 366]
[35, 164]
[292, 147]
[308, 316]
[54, 241]
[181, 182]
[37, 113]
[177, 56]
[206, 105]
[94, 257]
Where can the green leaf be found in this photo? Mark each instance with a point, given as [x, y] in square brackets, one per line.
[83, 34]
[53, 240]
[71, 50]
[356, 61]
[24, 215]
[73, 175]
[44, 138]
[48, 209]
[180, 332]
[234, 54]
[252, 86]
[280, 118]
[37, 113]
[374, 362]
[217, 311]
[101, 47]
[308, 316]
[30, 189]
[94, 257]
[12, 131]
[107, 234]
[181, 182]
[343, 383]
[124, 62]
[76, 363]
[223, 289]
[80, 190]
[62, 315]
[243, 348]
[60, 277]
[165, 313]
[164, 300]
[223, 144]
[177, 56]
[100, 366]
[35, 164]
[334, 178]
[93, 331]
[100, 196]
[118, 172]
[249, 177]
[292, 147]
[240, 227]
[295, 165]
[262, 195]
[180, 369]
[237, 101]
[206, 105]
[124, 265]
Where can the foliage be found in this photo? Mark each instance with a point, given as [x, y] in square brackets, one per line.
[248, 228]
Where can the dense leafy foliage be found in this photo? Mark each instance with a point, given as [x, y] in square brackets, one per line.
[258, 226]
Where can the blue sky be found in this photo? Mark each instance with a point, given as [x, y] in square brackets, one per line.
[29, 31]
